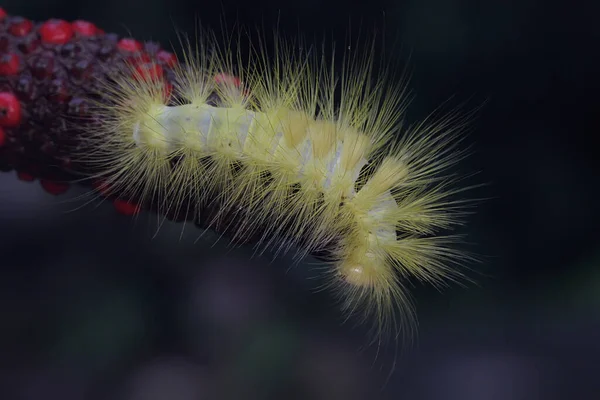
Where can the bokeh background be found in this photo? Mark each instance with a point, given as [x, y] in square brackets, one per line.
[94, 305]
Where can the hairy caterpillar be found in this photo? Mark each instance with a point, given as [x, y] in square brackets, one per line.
[280, 150]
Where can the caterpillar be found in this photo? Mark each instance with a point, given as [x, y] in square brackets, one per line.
[281, 150]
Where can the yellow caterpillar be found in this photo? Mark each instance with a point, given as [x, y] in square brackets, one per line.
[300, 155]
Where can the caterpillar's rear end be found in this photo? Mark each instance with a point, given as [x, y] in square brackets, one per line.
[286, 154]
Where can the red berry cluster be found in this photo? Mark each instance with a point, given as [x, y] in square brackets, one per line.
[48, 72]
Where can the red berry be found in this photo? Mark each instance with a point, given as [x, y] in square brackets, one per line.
[126, 208]
[9, 64]
[227, 79]
[10, 110]
[2, 14]
[84, 28]
[166, 57]
[139, 59]
[20, 26]
[56, 31]
[2, 134]
[25, 176]
[129, 44]
[149, 71]
[54, 188]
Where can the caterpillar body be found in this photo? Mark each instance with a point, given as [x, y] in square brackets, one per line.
[286, 151]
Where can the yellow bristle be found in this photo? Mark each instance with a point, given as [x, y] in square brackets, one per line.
[308, 159]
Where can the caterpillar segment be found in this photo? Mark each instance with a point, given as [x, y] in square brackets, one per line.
[280, 150]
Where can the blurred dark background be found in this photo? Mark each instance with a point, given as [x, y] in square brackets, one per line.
[93, 306]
